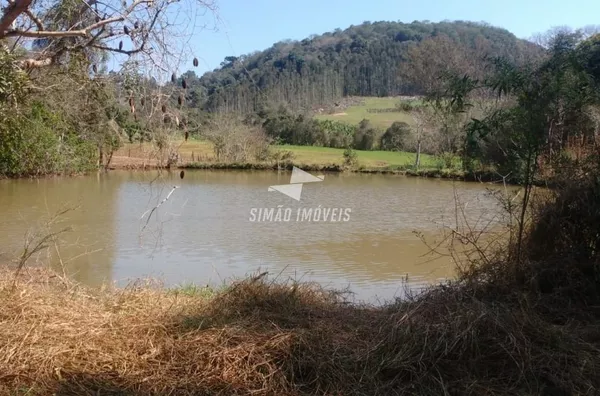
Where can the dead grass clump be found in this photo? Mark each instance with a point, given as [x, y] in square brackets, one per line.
[453, 342]
[282, 338]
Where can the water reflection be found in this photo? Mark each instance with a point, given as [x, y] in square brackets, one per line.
[87, 252]
[203, 233]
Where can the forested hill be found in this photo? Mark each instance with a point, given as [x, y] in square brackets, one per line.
[371, 59]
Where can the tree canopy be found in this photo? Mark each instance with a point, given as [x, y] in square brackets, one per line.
[371, 59]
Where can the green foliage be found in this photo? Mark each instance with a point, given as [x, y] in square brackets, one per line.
[395, 137]
[40, 143]
[446, 160]
[550, 105]
[588, 53]
[339, 134]
[285, 127]
[66, 125]
[362, 60]
[277, 155]
[366, 136]
[132, 128]
[405, 106]
[350, 158]
[13, 81]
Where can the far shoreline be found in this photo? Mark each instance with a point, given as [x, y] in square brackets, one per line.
[426, 173]
[440, 174]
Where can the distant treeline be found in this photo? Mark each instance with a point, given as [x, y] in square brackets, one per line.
[285, 127]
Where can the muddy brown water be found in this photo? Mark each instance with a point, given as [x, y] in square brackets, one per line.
[208, 232]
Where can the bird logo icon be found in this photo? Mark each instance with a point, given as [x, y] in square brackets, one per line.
[294, 188]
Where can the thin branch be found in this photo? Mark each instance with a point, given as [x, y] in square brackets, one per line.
[38, 34]
[126, 52]
[35, 19]
[156, 207]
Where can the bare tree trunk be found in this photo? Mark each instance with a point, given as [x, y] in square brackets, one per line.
[418, 159]
[108, 161]
[100, 157]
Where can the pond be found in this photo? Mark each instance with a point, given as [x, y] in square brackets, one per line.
[219, 225]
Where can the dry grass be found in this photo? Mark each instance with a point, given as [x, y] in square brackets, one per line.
[259, 337]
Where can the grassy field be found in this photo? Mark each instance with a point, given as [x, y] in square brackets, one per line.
[202, 151]
[197, 151]
[355, 114]
[369, 159]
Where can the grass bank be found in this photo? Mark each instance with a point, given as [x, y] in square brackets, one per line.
[200, 155]
[283, 339]
[202, 152]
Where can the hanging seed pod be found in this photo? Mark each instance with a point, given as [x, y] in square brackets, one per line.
[173, 78]
[120, 45]
[131, 102]
[142, 102]
[95, 68]
[187, 134]
[181, 174]
[196, 62]
[183, 83]
[164, 108]
[136, 25]
[180, 100]
[97, 19]
[166, 119]
[176, 120]
[126, 29]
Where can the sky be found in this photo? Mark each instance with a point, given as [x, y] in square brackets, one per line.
[246, 26]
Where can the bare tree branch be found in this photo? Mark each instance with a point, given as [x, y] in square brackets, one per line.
[35, 20]
[147, 27]
[11, 14]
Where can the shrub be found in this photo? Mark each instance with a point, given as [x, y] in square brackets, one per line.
[395, 137]
[350, 158]
[365, 136]
[40, 143]
[236, 142]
